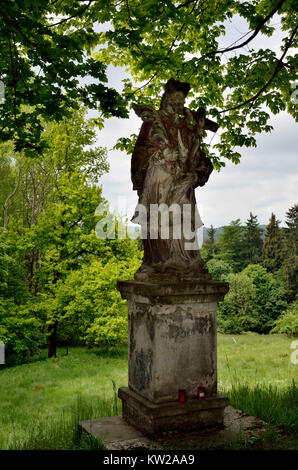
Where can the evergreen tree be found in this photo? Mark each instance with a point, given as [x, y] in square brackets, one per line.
[252, 240]
[273, 252]
[292, 227]
[209, 245]
[231, 245]
[290, 265]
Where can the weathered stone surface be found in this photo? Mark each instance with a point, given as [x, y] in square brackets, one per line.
[172, 338]
[167, 165]
[117, 434]
[187, 291]
[155, 419]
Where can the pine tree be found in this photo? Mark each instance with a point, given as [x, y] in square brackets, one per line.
[252, 240]
[231, 245]
[290, 265]
[273, 249]
[292, 227]
[209, 244]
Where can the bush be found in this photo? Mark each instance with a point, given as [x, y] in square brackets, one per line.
[270, 299]
[219, 269]
[89, 306]
[20, 332]
[236, 313]
[287, 323]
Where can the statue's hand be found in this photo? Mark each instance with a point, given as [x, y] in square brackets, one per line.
[188, 114]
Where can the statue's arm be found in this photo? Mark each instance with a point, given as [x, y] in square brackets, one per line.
[157, 134]
[146, 113]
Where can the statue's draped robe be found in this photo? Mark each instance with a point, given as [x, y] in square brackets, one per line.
[163, 173]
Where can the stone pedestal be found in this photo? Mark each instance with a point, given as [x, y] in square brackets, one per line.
[172, 347]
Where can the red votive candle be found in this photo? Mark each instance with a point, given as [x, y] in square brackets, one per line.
[201, 393]
[182, 396]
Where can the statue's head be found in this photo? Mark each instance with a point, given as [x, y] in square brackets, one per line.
[174, 95]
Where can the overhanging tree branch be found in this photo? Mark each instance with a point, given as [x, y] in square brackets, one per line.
[278, 67]
[82, 10]
[244, 43]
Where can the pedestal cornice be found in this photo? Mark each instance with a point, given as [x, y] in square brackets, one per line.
[173, 292]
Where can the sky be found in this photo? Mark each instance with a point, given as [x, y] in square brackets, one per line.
[265, 181]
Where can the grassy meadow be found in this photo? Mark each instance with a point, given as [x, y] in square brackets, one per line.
[41, 402]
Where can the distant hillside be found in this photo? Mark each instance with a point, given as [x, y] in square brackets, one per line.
[203, 233]
[134, 231]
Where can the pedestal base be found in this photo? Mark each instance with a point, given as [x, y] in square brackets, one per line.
[172, 347]
[155, 419]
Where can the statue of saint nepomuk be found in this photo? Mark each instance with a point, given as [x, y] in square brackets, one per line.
[166, 166]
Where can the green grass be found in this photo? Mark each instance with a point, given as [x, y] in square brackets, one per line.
[255, 360]
[42, 402]
[256, 373]
[273, 405]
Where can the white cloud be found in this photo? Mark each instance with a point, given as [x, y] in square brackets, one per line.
[265, 181]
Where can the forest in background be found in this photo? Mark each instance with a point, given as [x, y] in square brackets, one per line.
[261, 269]
[58, 280]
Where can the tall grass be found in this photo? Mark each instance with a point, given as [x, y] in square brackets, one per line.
[42, 402]
[273, 405]
[61, 431]
[259, 378]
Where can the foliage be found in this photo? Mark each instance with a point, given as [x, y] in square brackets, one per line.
[20, 331]
[270, 299]
[45, 50]
[187, 40]
[66, 239]
[255, 300]
[9, 169]
[71, 146]
[287, 323]
[218, 269]
[252, 240]
[209, 245]
[273, 254]
[42, 402]
[51, 247]
[230, 245]
[236, 313]
[91, 307]
[290, 264]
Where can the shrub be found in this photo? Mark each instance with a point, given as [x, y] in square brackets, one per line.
[287, 323]
[270, 299]
[90, 307]
[236, 313]
[20, 332]
[219, 269]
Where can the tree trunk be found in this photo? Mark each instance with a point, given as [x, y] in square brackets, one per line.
[8, 199]
[52, 341]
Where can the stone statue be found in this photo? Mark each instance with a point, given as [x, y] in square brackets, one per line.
[172, 301]
[166, 166]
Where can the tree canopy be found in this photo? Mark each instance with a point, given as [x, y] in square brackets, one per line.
[47, 68]
[48, 62]
[239, 83]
